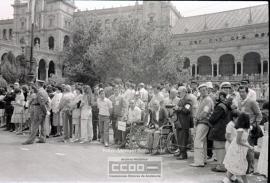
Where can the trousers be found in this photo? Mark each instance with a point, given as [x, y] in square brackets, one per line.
[104, 128]
[153, 139]
[182, 139]
[67, 124]
[38, 120]
[200, 144]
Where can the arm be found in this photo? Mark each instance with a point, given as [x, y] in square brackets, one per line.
[257, 112]
[228, 137]
[41, 100]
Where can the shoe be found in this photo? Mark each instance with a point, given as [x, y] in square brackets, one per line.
[83, 141]
[94, 138]
[57, 135]
[4, 126]
[215, 169]
[148, 152]
[75, 140]
[41, 141]
[181, 158]
[196, 165]
[27, 143]
[19, 133]
[155, 153]
[106, 145]
[123, 146]
[177, 154]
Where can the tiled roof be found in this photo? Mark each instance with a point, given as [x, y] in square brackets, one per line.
[221, 20]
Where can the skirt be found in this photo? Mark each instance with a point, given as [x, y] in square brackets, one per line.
[18, 115]
[2, 112]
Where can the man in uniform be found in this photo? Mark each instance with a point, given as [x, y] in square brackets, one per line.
[40, 105]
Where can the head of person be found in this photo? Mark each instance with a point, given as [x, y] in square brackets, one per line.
[96, 89]
[193, 85]
[132, 104]
[58, 89]
[67, 88]
[2, 91]
[222, 96]
[226, 87]
[101, 93]
[243, 92]
[203, 90]
[16, 85]
[25, 88]
[234, 116]
[116, 90]
[216, 87]
[17, 91]
[78, 90]
[141, 85]
[243, 121]
[245, 83]
[173, 93]
[156, 89]
[210, 87]
[182, 91]
[40, 84]
[137, 95]
[156, 105]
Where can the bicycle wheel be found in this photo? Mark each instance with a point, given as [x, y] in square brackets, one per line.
[172, 145]
[141, 137]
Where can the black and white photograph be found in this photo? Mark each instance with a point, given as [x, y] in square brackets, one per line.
[134, 91]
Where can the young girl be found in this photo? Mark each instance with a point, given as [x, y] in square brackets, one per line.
[17, 116]
[235, 160]
[230, 129]
[86, 116]
[76, 113]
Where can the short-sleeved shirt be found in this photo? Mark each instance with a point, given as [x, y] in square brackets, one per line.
[104, 106]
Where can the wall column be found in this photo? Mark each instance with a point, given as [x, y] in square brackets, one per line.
[261, 68]
[47, 70]
[217, 69]
[242, 68]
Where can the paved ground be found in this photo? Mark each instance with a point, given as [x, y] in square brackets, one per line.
[55, 161]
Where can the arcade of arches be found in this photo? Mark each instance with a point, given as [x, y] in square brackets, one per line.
[227, 65]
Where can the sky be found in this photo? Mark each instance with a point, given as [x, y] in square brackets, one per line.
[186, 8]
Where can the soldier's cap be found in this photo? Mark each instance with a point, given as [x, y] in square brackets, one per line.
[225, 85]
[202, 85]
[182, 88]
[245, 81]
[209, 85]
[141, 84]
[40, 81]
[16, 83]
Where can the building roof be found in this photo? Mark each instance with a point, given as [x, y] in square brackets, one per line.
[221, 20]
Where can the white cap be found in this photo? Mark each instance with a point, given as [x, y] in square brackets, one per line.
[227, 84]
[202, 85]
[209, 85]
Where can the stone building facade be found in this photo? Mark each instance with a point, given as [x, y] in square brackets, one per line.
[228, 44]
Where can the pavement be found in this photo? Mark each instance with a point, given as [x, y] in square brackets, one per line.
[73, 162]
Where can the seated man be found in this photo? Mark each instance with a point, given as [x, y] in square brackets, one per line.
[158, 118]
[132, 116]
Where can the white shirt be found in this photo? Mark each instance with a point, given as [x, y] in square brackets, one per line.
[56, 101]
[104, 106]
[134, 115]
[252, 94]
[144, 94]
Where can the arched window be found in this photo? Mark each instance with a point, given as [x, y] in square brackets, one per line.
[226, 65]
[51, 43]
[37, 42]
[252, 63]
[66, 41]
[215, 70]
[51, 69]
[42, 70]
[10, 34]
[204, 65]
[186, 63]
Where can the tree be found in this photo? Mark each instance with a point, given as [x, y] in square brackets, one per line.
[9, 68]
[129, 50]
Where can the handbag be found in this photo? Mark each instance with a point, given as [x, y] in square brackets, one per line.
[254, 134]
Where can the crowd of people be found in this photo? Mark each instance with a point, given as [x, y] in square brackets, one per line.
[224, 122]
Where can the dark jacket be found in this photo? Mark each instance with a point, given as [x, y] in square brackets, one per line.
[218, 122]
[184, 114]
[8, 99]
[163, 118]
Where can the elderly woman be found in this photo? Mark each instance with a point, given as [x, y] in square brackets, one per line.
[158, 117]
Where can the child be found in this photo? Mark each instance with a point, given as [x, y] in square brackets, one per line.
[17, 116]
[235, 160]
[230, 129]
